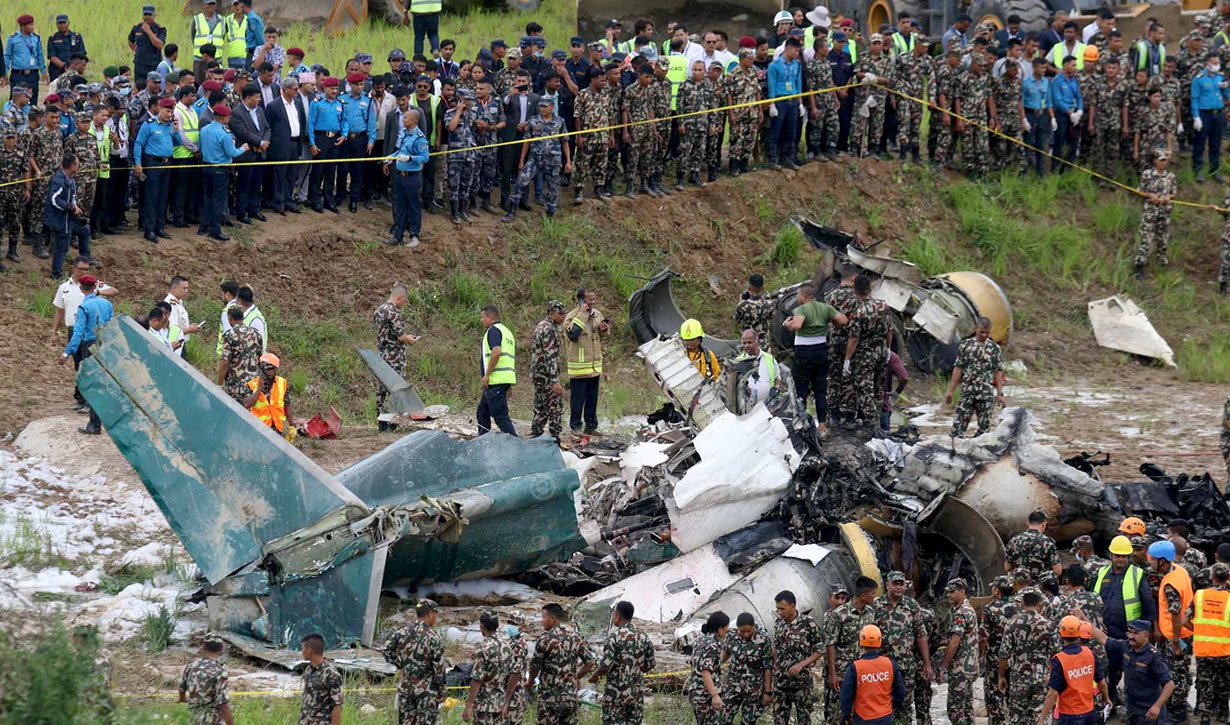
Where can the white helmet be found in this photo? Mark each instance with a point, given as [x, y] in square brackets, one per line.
[783, 16]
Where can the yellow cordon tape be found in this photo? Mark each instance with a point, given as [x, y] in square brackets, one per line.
[287, 693]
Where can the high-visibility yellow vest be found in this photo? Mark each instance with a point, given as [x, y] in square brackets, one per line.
[584, 353]
[901, 44]
[270, 410]
[254, 313]
[1142, 55]
[1212, 623]
[677, 74]
[1060, 51]
[236, 37]
[431, 122]
[104, 153]
[191, 128]
[619, 47]
[505, 372]
[203, 35]
[173, 334]
[425, 6]
[853, 48]
[1131, 589]
[769, 361]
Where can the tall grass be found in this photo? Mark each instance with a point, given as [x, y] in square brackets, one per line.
[1205, 361]
[159, 628]
[786, 247]
[47, 679]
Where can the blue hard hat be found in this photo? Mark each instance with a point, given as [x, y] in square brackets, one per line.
[1162, 550]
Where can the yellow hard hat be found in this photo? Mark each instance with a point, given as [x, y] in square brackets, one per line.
[691, 329]
[1069, 626]
[1132, 526]
[869, 636]
[1121, 545]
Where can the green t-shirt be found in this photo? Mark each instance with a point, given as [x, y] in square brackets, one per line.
[816, 318]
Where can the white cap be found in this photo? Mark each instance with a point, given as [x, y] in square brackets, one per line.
[819, 17]
[783, 17]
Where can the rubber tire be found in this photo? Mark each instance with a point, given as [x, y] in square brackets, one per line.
[1034, 14]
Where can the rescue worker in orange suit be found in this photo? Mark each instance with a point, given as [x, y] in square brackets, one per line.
[270, 400]
[1076, 675]
[1173, 629]
[873, 688]
[1211, 644]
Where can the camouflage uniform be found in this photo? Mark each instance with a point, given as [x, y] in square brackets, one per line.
[1212, 680]
[742, 86]
[841, 628]
[85, 146]
[1090, 605]
[544, 369]
[626, 656]
[520, 663]
[639, 102]
[1007, 94]
[947, 82]
[1187, 65]
[613, 95]
[492, 667]
[662, 110]
[1033, 550]
[912, 75]
[545, 157]
[593, 110]
[486, 167]
[1135, 97]
[993, 624]
[706, 657]
[1091, 565]
[241, 348]
[13, 166]
[204, 683]
[1029, 642]
[46, 148]
[756, 312]
[694, 96]
[792, 643]
[1180, 665]
[418, 652]
[716, 122]
[743, 684]
[922, 688]
[963, 669]
[1171, 89]
[900, 626]
[322, 691]
[1193, 560]
[840, 391]
[557, 656]
[869, 323]
[1155, 221]
[461, 157]
[979, 363]
[1223, 277]
[389, 327]
[974, 90]
[1153, 126]
[867, 132]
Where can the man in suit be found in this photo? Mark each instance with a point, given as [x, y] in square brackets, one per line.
[1012, 31]
[250, 127]
[393, 119]
[520, 105]
[288, 127]
[268, 83]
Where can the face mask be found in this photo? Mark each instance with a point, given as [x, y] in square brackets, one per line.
[1215, 68]
[538, 53]
[511, 630]
[125, 91]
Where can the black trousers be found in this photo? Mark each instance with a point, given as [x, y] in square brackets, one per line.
[248, 190]
[321, 188]
[810, 372]
[355, 150]
[216, 180]
[375, 183]
[494, 405]
[407, 214]
[508, 158]
[99, 213]
[117, 191]
[583, 402]
[183, 182]
[84, 351]
[283, 189]
[77, 396]
[154, 194]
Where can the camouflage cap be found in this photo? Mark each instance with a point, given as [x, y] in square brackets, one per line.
[514, 53]
[955, 584]
[894, 576]
[555, 306]
[1142, 542]
[7, 129]
[1220, 570]
[211, 638]
[1023, 576]
[1203, 21]
[1002, 582]
[664, 62]
[426, 603]
[1082, 542]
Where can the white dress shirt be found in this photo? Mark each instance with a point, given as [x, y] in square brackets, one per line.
[179, 318]
[292, 114]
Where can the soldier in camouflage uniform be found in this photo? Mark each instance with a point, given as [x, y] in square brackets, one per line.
[839, 391]
[627, 656]
[459, 122]
[695, 96]
[716, 124]
[823, 125]
[1075, 595]
[488, 120]
[418, 654]
[85, 146]
[1213, 673]
[1032, 549]
[14, 166]
[663, 111]
[391, 341]
[1024, 656]
[1106, 104]
[489, 680]
[504, 77]
[798, 643]
[1136, 97]
[240, 357]
[992, 625]
[593, 110]
[519, 652]
[545, 351]
[542, 157]
[922, 686]
[1158, 186]
[960, 667]
[874, 72]
[902, 632]
[203, 685]
[322, 684]
[639, 104]
[976, 104]
[841, 628]
[1189, 60]
[979, 369]
[1178, 656]
[947, 86]
[1006, 90]
[755, 309]
[1168, 83]
[866, 352]
[45, 148]
[618, 153]
[1154, 130]
[561, 657]
[707, 705]
[750, 656]
[1082, 550]
[742, 86]
[912, 75]
[1113, 54]
[1224, 440]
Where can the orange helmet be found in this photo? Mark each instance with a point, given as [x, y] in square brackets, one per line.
[1069, 626]
[1132, 526]
[869, 636]
[1086, 630]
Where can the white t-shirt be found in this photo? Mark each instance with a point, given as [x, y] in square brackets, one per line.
[68, 298]
[760, 382]
[179, 318]
[1088, 32]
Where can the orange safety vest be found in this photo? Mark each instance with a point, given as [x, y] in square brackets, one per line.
[1182, 583]
[873, 698]
[1078, 671]
[271, 410]
[1212, 624]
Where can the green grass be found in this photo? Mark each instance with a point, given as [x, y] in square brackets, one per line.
[158, 629]
[46, 679]
[28, 545]
[39, 300]
[786, 247]
[104, 24]
[1205, 360]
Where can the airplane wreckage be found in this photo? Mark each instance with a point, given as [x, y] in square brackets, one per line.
[717, 503]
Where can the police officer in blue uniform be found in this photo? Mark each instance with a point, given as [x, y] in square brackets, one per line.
[151, 158]
[1147, 683]
[327, 128]
[62, 46]
[23, 55]
[359, 115]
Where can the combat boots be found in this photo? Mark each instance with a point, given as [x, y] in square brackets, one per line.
[647, 187]
[713, 173]
[678, 181]
[40, 246]
[579, 198]
[512, 214]
[693, 179]
[914, 154]
[602, 193]
[454, 208]
[734, 168]
[486, 205]
[629, 191]
[656, 183]
[463, 209]
[13, 256]
[1140, 273]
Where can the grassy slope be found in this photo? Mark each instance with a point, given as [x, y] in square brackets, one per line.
[105, 24]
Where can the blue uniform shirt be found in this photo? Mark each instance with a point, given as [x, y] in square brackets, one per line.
[1036, 93]
[217, 144]
[1207, 93]
[326, 116]
[1145, 674]
[255, 36]
[93, 313]
[785, 77]
[414, 145]
[359, 115]
[25, 52]
[67, 124]
[1066, 94]
[154, 139]
[62, 45]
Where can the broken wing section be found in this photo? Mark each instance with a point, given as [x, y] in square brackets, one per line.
[226, 484]
[652, 312]
[1119, 324]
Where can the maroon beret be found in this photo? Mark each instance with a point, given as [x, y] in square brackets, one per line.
[25, 19]
[329, 82]
[356, 78]
[211, 86]
[221, 109]
[296, 51]
[166, 103]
